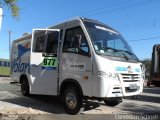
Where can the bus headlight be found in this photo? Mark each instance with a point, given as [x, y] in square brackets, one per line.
[112, 75]
[101, 73]
[108, 74]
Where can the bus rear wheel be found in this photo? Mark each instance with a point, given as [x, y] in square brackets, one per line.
[24, 87]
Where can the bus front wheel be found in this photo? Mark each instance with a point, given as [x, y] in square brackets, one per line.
[72, 100]
[113, 101]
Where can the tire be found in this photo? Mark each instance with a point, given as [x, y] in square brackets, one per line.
[148, 84]
[157, 84]
[72, 100]
[25, 87]
[112, 101]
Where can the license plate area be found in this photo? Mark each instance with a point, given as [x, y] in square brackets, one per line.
[133, 86]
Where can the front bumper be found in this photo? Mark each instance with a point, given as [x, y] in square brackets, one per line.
[125, 86]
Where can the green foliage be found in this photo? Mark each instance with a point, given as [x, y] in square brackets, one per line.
[147, 63]
[12, 5]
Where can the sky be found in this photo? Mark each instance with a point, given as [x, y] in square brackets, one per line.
[137, 20]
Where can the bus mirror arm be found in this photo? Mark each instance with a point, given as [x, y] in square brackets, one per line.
[89, 54]
[43, 54]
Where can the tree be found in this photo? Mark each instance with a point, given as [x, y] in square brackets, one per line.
[12, 5]
[147, 63]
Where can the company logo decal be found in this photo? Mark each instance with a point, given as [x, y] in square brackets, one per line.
[128, 69]
[137, 70]
[17, 64]
[22, 49]
[121, 69]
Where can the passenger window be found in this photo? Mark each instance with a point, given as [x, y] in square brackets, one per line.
[75, 42]
[52, 42]
[46, 41]
[40, 44]
[84, 45]
[14, 50]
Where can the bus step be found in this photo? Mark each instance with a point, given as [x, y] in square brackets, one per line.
[13, 82]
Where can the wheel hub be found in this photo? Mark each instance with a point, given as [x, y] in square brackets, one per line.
[71, 100]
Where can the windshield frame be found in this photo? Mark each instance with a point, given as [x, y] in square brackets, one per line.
[122, 52]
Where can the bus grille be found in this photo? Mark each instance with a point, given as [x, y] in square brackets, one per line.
[130, 77]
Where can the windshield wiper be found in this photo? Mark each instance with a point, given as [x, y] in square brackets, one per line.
[132, 54]
[125, 56]
[116, 50]
[123, 52]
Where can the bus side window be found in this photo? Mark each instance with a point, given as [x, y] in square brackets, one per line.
[52, 42]
[40, 44]
[75, 41]
[46, 41]
[39, 41]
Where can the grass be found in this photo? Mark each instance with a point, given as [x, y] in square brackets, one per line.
[5, 71]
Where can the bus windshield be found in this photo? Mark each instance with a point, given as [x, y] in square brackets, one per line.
[108, 42]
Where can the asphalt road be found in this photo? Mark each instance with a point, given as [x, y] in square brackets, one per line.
[48, 107]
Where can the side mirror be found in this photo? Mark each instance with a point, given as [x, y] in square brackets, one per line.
[89, 54]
